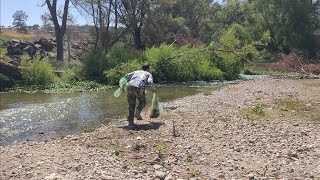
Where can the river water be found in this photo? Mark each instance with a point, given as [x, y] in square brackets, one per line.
[25, 116]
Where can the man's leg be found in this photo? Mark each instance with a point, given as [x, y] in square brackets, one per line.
[141, 96]
[132, 104]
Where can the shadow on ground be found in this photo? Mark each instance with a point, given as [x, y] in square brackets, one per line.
[145, 127]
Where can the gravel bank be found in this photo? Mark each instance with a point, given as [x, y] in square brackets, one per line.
[262, 129]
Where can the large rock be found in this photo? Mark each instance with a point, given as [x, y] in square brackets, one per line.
[31, 50]
[10, 70]
[46, 44]
[14, 50]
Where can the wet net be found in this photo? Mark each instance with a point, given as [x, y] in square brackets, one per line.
[156, 107]
[122, 87]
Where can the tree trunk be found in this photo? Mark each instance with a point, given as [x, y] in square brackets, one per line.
[69, 44]
[116, 15]
[59, 30]
[10, 70]
[137, 38]
[60, 56]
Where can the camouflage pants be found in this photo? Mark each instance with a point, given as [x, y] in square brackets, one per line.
[133, 94]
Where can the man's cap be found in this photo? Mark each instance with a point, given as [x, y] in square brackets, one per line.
[145, 66]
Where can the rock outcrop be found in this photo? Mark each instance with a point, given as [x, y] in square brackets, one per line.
[10, 70]
[44, 47]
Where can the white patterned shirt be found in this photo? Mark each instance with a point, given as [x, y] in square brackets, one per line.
[140, 79]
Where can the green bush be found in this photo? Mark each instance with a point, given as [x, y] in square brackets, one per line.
[176, 64]
[95, 63]
[5, 82]
[114, 75]
[37, 71]
[161, 60]
[173, 64]
[72, 72]
[3, 54]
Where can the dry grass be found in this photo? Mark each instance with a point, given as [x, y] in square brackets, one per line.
[293, 62]
[7, 35]
[291, 104]
[258, 112]
[11, 34]
[283, 109]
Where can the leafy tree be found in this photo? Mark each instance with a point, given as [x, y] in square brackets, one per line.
[291, 22]
[133, 15]
[35, 26]
[19, 21]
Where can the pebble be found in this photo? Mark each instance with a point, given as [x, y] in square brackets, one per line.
[169, 177]
[53, 176]
[157, 166]
[160, 174]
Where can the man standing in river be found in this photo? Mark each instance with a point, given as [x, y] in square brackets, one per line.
[137, 82]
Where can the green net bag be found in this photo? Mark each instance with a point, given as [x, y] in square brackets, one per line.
[156, 107]
[122, 86]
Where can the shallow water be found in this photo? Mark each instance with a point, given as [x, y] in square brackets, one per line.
[26, 116]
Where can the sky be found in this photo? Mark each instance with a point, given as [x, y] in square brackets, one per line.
[33, 10]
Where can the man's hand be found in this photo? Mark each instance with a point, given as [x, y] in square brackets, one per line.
[155, 90]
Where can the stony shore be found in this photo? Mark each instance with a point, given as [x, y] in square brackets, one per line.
[261, 129]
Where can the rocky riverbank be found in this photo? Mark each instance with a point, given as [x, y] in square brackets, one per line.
[262, 129]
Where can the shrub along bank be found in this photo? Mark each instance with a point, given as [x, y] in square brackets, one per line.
[171, 64]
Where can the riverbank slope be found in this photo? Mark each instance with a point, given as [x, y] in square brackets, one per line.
[253, 130]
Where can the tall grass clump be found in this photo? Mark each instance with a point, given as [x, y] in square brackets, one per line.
[37, 71]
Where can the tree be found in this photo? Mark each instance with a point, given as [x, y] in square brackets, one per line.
[46, 22]
[19, 21]
[291, 22]
[59, 29]
[132, 14]
[104, 14]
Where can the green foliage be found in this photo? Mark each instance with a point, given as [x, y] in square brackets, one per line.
[3, 54]
[88, 127]
[291, 23]
[195, 173]
[160, 150]
[72, 74]
[19, 21]
[258, 110]
[60, 87]
[249, 71]
[37, 71]
[114, 75]
[96, 63]
[161, 59]
[182, 64]
[5, 82]
[228, 63]
[291, 104]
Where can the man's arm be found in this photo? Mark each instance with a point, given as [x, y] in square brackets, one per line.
[151, 84]
[129, 76]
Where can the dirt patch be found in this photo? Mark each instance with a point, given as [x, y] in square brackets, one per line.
[201, 137]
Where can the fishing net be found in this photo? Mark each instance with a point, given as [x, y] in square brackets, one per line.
[122, 86]
[156, 107]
